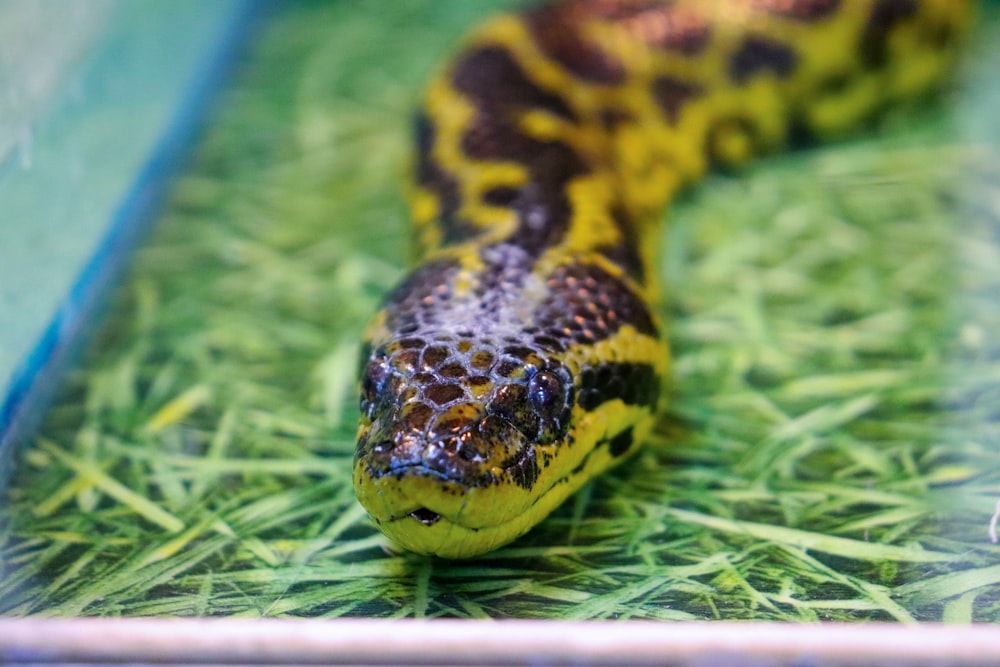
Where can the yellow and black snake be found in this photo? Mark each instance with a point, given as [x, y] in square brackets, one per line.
[522, 357]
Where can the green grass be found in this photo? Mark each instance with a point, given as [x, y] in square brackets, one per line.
[828, 452]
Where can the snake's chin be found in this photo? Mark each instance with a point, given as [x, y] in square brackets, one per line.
[425, 530]
[445, 539]
[428, 532]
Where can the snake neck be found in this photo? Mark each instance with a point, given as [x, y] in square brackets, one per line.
[567, 128]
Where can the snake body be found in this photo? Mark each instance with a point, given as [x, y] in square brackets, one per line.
[522, 356]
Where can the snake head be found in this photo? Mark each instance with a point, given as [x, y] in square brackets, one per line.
[489, 394]
[455, 430]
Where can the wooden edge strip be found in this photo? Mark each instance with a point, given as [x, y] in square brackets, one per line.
[504, 642]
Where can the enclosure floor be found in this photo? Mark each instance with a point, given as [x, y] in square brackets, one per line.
[828, 449]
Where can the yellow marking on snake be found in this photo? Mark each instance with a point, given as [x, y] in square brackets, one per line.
[522, 357]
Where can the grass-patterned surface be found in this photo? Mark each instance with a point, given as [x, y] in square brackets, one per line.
[829, 451]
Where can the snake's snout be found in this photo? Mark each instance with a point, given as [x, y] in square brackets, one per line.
[482, 447]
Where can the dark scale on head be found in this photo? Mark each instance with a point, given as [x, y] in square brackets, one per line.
[587, 304]
[459, 390]
[507, 265]
[419, 301]
[427, 420]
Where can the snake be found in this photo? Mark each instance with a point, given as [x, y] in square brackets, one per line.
[523, 355]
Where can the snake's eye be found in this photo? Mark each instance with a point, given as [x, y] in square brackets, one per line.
[547, 394]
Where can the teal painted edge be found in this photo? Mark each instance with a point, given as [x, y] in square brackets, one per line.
[186, 48]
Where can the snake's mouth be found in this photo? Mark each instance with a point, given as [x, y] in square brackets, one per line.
[425, 485]
[425, 516]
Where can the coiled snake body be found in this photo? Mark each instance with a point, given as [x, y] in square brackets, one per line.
[522, 356]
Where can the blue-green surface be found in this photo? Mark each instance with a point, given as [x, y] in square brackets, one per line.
[72, 199]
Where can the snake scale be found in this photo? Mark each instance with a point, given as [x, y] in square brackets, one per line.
[522, 356]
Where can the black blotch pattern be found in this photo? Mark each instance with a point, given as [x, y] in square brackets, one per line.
[625, 253]
[502, 92]
[543, 210]
[431, 176]
[611, 118]
[884, 16]
[621, 443]
[940, 36]
[671, 94]
[689, 39]
[524, 470]
[758, 54]
[542, 206]
[633, 383]
[623, 11]
[556, 30]
[493, 78]
[835, 84]
[500, 196]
